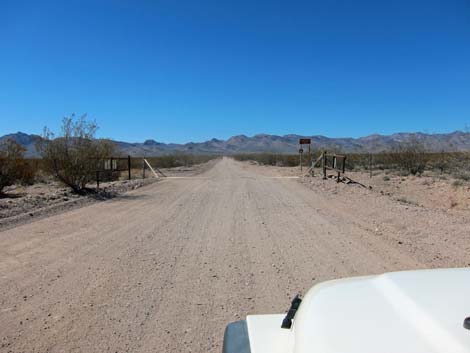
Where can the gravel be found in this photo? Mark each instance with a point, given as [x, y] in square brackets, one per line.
[165, 267]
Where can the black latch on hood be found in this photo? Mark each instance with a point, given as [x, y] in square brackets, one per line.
[287, 322]
[466, 323]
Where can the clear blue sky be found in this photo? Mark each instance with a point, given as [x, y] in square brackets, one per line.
[192, 70]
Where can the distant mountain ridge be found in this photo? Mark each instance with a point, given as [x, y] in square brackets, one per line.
[454, 141]
[26, 140]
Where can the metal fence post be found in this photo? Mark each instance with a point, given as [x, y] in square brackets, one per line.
[129, 167]
[309, 154]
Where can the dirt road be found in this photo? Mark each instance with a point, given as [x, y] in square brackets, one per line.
[165, 267]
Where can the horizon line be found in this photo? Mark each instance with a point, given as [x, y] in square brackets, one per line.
[263, 134]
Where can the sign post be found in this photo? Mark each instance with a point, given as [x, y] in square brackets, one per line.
[301, 150]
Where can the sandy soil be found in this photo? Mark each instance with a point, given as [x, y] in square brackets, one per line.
[23, 204]
[165, 267]
[431, 190]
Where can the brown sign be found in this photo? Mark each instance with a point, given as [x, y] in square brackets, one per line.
[305, 141]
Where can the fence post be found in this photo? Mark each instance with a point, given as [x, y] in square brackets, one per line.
[312, 168]
[97, 179]
[309, 154]
[143, 169]
[370, 165]
[324, 165]
[129, 167]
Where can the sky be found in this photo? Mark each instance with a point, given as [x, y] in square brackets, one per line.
[179, 71]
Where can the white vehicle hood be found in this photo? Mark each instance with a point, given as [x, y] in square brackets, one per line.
[402, 312]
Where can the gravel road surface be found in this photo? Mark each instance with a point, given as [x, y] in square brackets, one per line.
[164, 268]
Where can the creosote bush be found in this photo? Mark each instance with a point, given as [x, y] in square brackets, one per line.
[74, 156]
[410, 158]
[404, 160]
[464, 176]
[13, 167]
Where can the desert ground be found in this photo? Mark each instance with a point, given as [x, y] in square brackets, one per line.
[163, 268]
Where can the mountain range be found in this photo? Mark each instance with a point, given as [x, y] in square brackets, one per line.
[454, 141]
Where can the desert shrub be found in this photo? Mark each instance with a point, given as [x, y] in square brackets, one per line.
[386, 178]
[461, 175]
[441, 163]
[457, 183]
[406, 159]
[13, 167]
[74, 156]
[409, 157]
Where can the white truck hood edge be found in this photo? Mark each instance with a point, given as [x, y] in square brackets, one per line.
[407, 312]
